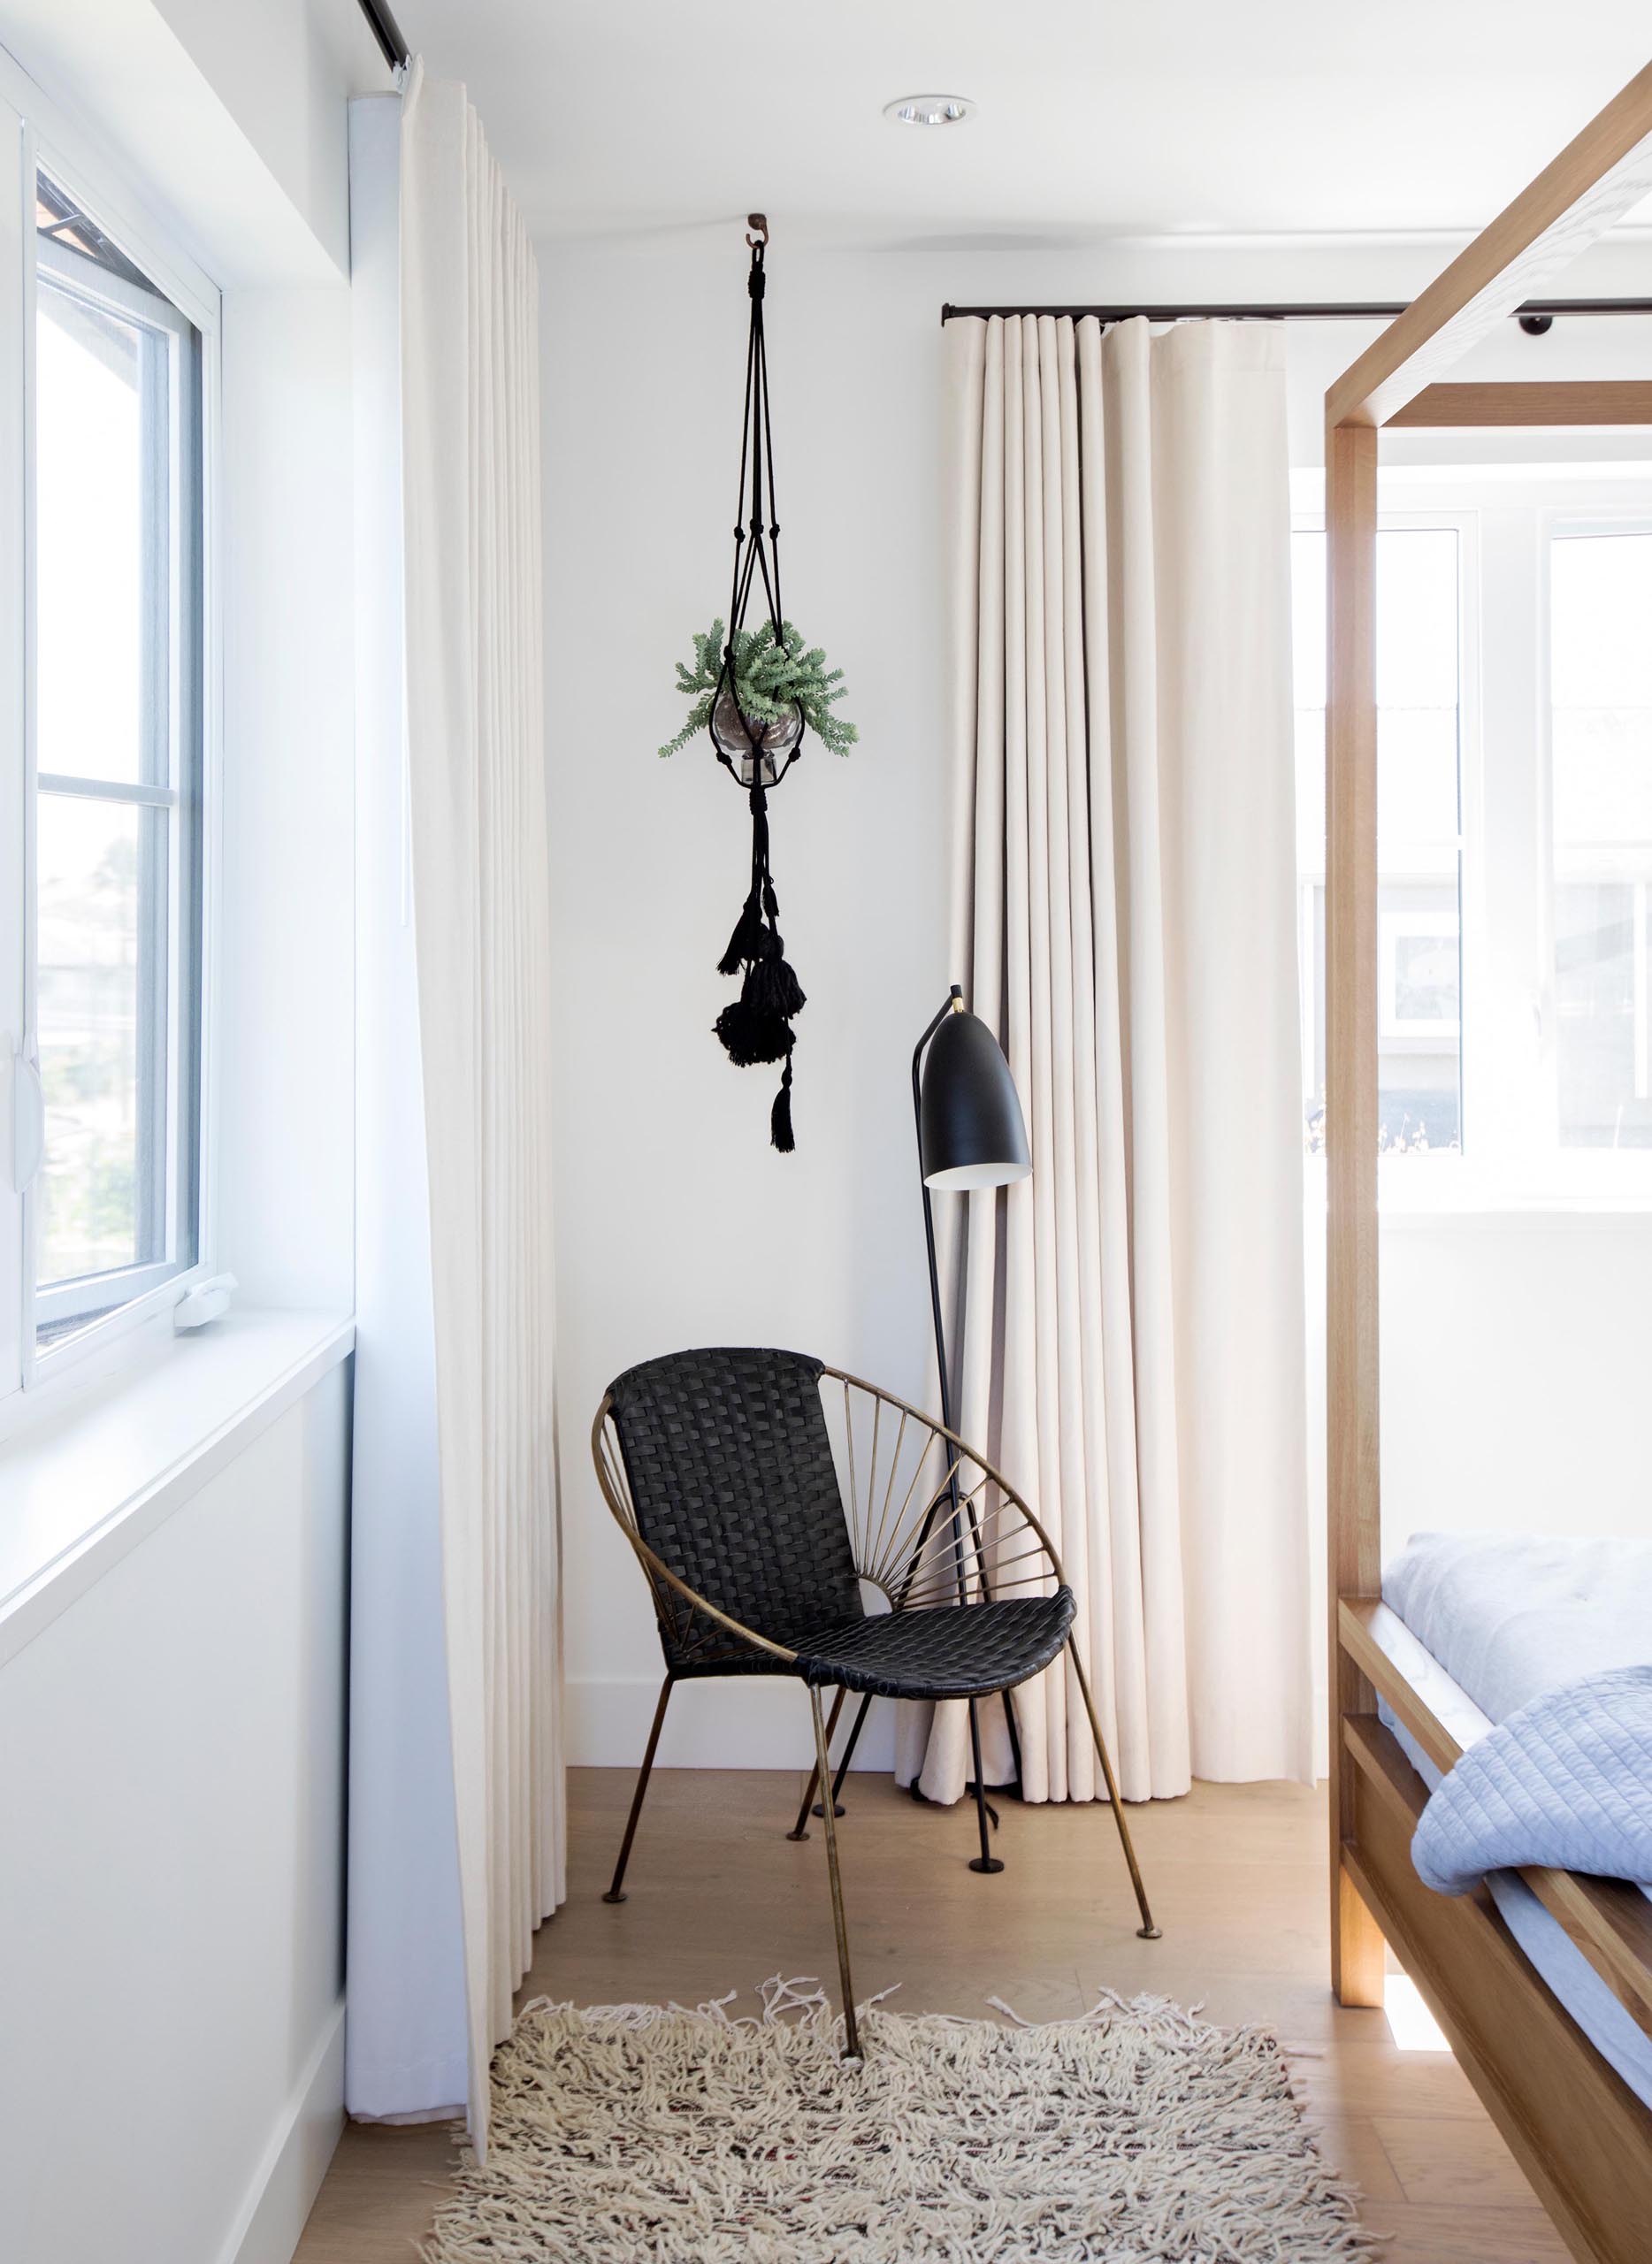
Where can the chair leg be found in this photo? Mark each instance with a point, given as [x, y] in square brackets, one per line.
[1147, 1930]
[615, 1892]
[855, 1728]
[800, 1829]
[851, 2036]
[986, 1861]
[1015, 1741]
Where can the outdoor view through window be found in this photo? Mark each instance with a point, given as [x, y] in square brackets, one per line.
[1418, 919]
[1601, 696]
[1514, 814]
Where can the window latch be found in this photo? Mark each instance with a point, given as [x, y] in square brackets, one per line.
[28, 1118]
[207, 1301]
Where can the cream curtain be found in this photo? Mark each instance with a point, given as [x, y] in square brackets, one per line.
[480, 878]
[1123, 869]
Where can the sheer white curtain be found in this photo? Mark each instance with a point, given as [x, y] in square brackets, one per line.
[458, 1767]
[1123, 913]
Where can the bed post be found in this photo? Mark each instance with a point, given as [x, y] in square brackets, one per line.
[1599, 175]
[1577, 2131]
[1354, 1553]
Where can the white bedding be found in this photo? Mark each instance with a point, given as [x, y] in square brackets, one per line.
[1507, 1618]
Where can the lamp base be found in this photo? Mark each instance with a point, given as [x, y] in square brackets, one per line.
[985, 1863]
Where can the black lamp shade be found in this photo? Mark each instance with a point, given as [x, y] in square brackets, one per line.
[971, 1132]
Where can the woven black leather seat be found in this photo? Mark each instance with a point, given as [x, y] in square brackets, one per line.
[940, 1652]
[765, 1493]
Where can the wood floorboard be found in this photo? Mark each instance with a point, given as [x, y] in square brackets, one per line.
[718, 1899]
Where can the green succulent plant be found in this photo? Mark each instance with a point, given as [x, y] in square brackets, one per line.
[772, 676]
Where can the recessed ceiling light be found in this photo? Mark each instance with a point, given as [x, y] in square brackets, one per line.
[929, 110]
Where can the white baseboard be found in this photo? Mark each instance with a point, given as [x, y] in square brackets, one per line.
[744, 1722]
[271, 2218]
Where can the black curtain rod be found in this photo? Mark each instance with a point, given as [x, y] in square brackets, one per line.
[1536, 313]
[388, 32]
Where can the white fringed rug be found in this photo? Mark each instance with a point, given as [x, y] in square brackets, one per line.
[1137, 2134]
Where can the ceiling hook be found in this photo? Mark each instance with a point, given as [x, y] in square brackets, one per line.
[759, 221]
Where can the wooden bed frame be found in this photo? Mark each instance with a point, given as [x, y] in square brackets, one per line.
[1581, 2136]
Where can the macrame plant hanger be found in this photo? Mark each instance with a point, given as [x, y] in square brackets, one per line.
[756, 1027]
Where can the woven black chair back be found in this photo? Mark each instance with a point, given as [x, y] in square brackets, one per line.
[732, 1479]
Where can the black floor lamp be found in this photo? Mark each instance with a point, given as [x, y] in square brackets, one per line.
[971, 1133]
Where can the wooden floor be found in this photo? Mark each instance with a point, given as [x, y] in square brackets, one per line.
[718, 1899]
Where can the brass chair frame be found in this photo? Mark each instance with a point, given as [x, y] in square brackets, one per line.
[952, 1544]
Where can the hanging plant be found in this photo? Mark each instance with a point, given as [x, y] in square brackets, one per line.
[756, 691]
[775, 681]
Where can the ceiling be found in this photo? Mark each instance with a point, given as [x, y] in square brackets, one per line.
[1167, 117]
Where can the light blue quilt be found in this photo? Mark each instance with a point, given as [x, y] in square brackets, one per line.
[1564, 1781]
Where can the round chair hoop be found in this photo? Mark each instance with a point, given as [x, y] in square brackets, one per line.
[931, 1523]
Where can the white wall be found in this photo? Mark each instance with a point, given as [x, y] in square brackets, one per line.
[230, 120]
[677, 1223]
[1515, 1357]
[171, 1746]
[171, 1962]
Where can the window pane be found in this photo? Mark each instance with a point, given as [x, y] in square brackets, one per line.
[1418, 1017]
[97, 529]
[1419, 972]
[100, 870]
[1602, 587]
[1307, 598]
[1600, 680]
[1601, 1003]
[1601, 752]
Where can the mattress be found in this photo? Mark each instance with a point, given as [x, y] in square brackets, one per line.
[1508, 1618]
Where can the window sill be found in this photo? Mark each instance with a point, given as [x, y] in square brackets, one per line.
[1539, 1211]
[1426, 1191]
[89, 1481]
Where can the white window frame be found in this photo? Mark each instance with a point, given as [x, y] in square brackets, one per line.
[46, 141]
[1506, 516]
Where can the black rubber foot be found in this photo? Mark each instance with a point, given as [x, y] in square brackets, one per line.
[837, 1808]
[1149, 1933]
[985, 1863]
[611, 1897]
[797, 1835]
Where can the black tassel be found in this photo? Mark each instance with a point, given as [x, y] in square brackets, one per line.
[757, 1026]
[748, 941]
[772, 986]
[780, 1115]
[750, 1033]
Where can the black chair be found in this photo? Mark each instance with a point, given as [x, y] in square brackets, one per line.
[764, 1493]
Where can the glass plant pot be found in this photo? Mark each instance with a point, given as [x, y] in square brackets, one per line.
[735, 735]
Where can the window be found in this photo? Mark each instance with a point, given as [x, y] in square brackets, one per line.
[1419, 852]
[1600, 675]
[109, 775]
[1514, 800]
